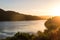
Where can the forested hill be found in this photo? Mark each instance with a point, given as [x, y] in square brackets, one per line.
[15, 16]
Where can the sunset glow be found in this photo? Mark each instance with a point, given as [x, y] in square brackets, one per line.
[33, 7]
[55, 11]
[29, 19]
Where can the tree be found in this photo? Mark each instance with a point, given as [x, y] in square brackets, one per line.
[53, 26]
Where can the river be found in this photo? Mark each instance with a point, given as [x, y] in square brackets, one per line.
[8, 28]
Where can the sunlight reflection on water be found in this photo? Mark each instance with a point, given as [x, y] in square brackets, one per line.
[21, 26]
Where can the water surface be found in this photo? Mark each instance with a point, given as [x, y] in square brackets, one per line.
[8, 28]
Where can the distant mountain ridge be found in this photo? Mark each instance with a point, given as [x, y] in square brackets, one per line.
[15, 16]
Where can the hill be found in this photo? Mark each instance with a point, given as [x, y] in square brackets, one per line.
[15, 16]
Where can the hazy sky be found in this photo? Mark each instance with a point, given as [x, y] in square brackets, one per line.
[34, 7]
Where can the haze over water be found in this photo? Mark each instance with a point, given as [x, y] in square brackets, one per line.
[9, 28]
[23, 26]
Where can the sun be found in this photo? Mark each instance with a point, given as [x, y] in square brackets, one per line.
[55, 11]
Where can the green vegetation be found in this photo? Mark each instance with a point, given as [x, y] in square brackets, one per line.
[51, 33]
[53, 28]
[27, 36]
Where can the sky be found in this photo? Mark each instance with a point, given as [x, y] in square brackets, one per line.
[32, 7]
